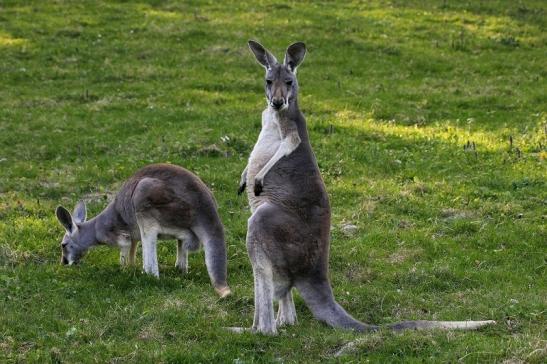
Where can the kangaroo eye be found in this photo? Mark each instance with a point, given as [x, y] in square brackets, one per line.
[269, 82]
[64, 243]
[288, 82]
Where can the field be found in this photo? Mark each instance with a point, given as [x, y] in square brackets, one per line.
[429, 123]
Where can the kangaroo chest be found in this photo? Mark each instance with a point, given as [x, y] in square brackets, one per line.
[267, 144]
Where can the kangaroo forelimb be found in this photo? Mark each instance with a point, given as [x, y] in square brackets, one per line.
[286, 147]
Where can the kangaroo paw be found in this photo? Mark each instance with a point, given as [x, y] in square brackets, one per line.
[258, 187]
[241, 188]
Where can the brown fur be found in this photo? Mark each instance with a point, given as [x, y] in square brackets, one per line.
[158, 201]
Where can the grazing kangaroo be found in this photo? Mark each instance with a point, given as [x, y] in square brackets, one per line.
[288, 232]
[159, 201]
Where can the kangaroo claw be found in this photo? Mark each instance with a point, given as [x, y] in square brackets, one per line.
[258, 188]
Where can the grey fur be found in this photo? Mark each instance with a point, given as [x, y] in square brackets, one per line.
[288, 232]
[160, 201]
[263, 56]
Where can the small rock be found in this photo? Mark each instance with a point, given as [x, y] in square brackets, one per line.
[70, 332]
[454, 214]
[212, 150]
[403, 224]
[349, 347]
[349, 229]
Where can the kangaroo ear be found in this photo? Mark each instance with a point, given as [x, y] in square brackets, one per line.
[65, 218]
[80, 212]
[295, 55]
[263, 56]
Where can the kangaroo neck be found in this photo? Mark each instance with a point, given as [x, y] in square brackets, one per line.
[87, 233]
[105, 224]
[292, 113]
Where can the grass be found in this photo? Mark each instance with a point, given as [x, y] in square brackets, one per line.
[411, 106]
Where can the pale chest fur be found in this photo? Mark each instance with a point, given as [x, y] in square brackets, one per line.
[267, 144]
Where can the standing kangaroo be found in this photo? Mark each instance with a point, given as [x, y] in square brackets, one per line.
[288, 232]
[158, 201]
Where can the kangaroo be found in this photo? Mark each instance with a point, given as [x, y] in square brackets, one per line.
[159, 201]
[288, 231]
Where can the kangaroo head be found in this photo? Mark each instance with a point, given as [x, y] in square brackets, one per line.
[280, 81]
[78, 236]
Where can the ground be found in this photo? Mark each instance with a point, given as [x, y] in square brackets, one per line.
[428, 120]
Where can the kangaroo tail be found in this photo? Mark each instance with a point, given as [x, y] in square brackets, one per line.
[443, 325]
[319, 298]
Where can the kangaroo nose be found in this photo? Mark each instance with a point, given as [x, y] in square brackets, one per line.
[277, 103]
[64, 260]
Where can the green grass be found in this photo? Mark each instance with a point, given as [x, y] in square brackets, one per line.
[392, 92]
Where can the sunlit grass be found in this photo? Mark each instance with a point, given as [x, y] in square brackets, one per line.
[9, 41]
[452, 22]
[449, 131]
[170, 15]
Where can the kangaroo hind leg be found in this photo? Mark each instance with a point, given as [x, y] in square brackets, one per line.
[187, 242]
[182, 257]
[286, 313]
[262, 248]
[264, 289]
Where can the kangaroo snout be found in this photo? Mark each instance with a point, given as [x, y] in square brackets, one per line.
[278, 103]
[64, 260]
